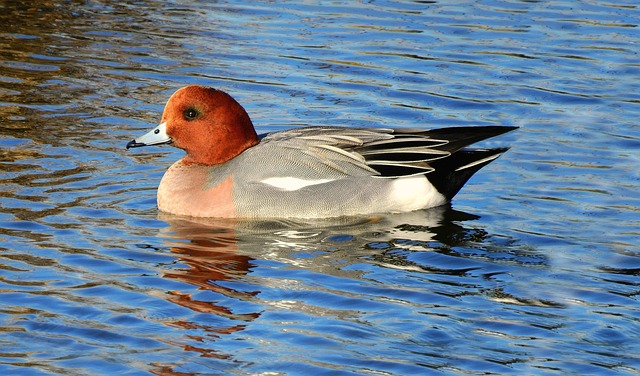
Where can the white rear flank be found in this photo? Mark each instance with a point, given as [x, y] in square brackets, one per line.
[414, 193]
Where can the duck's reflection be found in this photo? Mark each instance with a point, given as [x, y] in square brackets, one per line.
[209, 254]
[216, 253]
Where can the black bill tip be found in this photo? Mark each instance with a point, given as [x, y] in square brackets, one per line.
[134, 144]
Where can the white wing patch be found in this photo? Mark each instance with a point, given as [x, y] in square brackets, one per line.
[291, 183]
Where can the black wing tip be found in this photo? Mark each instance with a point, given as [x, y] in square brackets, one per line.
[487, 130]
[504, 128]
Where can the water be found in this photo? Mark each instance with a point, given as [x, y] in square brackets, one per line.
[533, 270]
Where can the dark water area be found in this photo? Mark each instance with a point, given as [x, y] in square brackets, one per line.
[534, 269]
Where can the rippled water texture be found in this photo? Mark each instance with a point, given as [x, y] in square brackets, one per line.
[533, 270]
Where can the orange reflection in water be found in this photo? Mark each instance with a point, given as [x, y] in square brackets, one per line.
[210, 253]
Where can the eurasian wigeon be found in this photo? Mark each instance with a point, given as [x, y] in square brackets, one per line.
[309, 172]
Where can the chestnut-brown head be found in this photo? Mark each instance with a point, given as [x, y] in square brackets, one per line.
[206, 123]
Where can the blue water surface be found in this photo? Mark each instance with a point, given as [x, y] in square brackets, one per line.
[534, 269]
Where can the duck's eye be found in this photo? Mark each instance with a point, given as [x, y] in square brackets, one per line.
[191, 114]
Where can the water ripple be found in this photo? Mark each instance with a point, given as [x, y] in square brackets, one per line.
[541, 278]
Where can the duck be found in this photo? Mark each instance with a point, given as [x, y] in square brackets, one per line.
[230, 171]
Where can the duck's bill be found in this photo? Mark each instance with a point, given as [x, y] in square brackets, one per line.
[156, 136]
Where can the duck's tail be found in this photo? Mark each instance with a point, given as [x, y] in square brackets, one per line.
[442, 155]
[453, 172]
